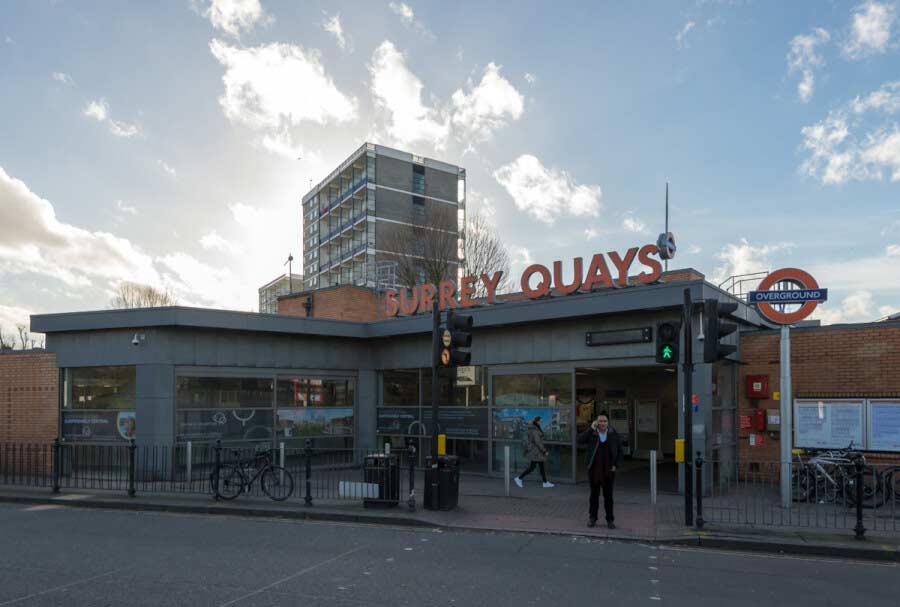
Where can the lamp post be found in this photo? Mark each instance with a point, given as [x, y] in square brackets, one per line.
[290, 273]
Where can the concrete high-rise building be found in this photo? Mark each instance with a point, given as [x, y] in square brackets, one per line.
[271, 291]
[365, 221]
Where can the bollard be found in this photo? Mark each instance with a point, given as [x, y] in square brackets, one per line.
[699, 464]
[281, 463]
[412, 476]
[189, 463]
[653, 477]
[56, 466]
[308, 452]
[217, 469]
[131, 450]
[506, 468]
[859, 529]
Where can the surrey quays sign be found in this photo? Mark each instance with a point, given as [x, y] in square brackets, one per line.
[600, 274]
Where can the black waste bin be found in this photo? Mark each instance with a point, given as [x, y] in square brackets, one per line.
[384, 471]
[447, 497]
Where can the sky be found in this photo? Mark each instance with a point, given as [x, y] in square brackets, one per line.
[169, 143]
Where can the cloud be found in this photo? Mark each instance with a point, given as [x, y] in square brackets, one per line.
[803, 58]
[590, 233]
[858, 307]
[169, 170]
[281, 144]
[870, 30]
[333, 26]
[11, 317]
[99, 111]
[488, 106]
[694, 250]
[63, 78]
[212, 241]
[277, 85]
[856, 142]
[398, 93]
[680, 41]
[530, 78]
[125, 208]
[520, 258]
[744, 258]
[546, 193]
[632, 224]
[892, 250]
[408, 18]
[236, 16]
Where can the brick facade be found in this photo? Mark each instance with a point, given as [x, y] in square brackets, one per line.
[349, 303]
[29, 397]
[830, 361]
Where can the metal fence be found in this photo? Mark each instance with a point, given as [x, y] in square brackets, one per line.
[854, 496]
[306, 474]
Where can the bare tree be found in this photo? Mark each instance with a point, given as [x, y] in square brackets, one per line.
[427, 251]
[24, 337]
[135, 295]
[7, 340]
[484, 254]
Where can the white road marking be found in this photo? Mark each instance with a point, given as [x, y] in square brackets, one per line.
[42, 507]
[63, 587]
[290, 577]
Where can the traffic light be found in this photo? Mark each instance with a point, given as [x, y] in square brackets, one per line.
[714, 329]
[667, 342]
[456, 337]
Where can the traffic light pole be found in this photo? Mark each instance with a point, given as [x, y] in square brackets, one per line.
[435, 394]
[687, 407]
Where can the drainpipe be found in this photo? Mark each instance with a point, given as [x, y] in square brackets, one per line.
[308, 304]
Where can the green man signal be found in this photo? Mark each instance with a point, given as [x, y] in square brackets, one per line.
[667, 334]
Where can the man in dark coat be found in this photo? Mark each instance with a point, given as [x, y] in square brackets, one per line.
[604, 455]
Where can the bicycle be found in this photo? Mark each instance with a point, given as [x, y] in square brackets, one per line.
[831, 475]
[231, 478]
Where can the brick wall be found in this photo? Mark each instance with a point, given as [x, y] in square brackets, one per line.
[29, 397]
[860, 360]
[357, 304]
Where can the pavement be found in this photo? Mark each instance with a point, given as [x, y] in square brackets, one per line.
[54, 555]
[484, 506]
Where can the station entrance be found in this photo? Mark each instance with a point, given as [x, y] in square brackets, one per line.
[642, 405]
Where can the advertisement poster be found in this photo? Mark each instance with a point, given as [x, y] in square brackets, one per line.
[457, 422]
[828, 423]
[884, 425]
[511, 423]
[98, 425]
[325, 421]
[224, 424]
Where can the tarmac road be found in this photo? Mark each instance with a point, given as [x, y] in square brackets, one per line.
[53, 555]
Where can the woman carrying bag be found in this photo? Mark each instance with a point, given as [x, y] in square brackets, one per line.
[536, 452]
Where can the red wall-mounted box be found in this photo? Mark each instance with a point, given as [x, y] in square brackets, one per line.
[757, 386]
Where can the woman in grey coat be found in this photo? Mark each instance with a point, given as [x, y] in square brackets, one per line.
[536, 452]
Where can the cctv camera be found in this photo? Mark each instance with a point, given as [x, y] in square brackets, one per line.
[135, 341]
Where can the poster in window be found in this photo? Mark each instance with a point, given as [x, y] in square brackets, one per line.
[330, 421]
[511, 423]
[884, 425]
[224, 424]
[98, 425]
[828, 423]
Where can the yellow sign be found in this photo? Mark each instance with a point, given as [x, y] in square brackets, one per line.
[679, 450]
[776, 395]
[442, 444]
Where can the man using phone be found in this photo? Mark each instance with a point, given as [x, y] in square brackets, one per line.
[604, 455]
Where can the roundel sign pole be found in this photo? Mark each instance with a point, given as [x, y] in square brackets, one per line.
[797, 288]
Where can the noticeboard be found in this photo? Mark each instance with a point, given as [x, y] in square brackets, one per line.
[884, 425]
[829, 423]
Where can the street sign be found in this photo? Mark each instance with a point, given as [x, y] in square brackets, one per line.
[796, 296]
[446, 338]
[465, 376]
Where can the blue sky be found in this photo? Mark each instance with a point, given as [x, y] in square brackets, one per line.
[159, 142]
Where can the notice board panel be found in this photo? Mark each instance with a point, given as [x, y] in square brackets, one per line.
[829, 423]
[884, 424]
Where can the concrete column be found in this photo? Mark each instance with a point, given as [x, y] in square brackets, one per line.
[366, 401]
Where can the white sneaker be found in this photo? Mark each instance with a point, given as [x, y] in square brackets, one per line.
[548, 485]
[519, 482]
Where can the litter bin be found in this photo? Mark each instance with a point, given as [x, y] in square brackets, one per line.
[382, 471]
[447, 497]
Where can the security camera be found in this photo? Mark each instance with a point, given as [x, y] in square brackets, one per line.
[136, 341]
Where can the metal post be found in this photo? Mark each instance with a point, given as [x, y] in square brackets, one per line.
[308, 452]
[506, 468]
[281, 462]
[190, 462]
[653, 477]
[411, 448]
[131, 450]
[787, 425]
[699, 463]
[687, 406]
[860, 529]
[56, 466]
[217, 470]
[435, 394]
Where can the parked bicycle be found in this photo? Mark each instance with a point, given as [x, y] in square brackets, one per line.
[830, 476]
[233, 478]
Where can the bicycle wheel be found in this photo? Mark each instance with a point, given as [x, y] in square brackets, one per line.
[277, 483]
[231, 482]
[873, 488]
[802, 485]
